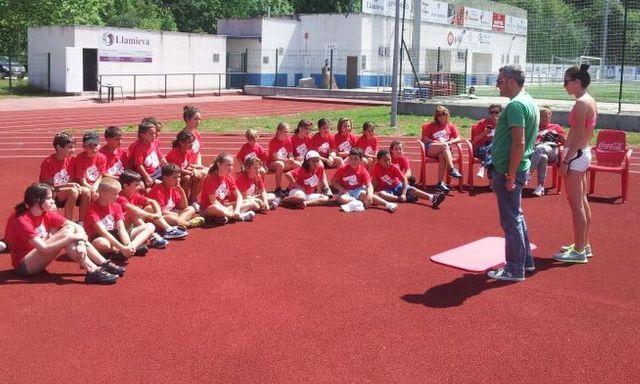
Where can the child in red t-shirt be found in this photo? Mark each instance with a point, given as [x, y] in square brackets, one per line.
[146, 157]
[192, 173]
[399, 159]
[392, 185]
[437, 137]
[308, 184]
[56, 170]
[36, 233]
[353, 183]
[252, 149]
[173, 199]
[139, 209]
[324, 143]
[104, 224]
[368, 143]
[220, 198]
[344, 139]
[251, 185]
[90, 164]
[281, 156]
[192, 118]
[300, 141]
[116, 156]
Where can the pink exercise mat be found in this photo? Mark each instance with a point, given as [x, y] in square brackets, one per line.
[477, 256]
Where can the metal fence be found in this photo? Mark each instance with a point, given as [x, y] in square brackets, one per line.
[13, 75]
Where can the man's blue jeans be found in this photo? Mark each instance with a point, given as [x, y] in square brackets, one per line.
[517, 246]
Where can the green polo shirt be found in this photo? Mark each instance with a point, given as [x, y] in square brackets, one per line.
[521, 111]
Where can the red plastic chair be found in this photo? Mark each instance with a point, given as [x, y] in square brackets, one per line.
[424, 160]
[612, 156]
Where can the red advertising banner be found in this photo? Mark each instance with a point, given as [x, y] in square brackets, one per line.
[498, 22]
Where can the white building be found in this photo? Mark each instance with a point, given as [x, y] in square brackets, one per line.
[494, 35]
[70, 59]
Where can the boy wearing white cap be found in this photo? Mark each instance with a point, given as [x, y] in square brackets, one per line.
[306, 183]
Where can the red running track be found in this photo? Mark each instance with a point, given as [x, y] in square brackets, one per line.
[326, 297]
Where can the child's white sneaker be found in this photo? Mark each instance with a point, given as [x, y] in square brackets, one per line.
[391, 207]
[539, 191]
[480, 172]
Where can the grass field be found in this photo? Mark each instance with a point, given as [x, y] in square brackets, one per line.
[407, 125]
[602, 92]
[20, 88]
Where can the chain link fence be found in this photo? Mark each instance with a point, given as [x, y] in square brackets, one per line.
[13, 75]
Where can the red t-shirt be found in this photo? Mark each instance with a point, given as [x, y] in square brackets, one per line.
[386, 178]
[131, 151]
[323, 145]
[437, 132]
[551, 127]
[402, 162]
[351, 178]
[368, 146]
[136, 199]
[167, 198]
[148, 155]
[249, 186]
[300, 145]
[181, 159]
[57, 170]
[478, 128]
[108, 215]
[197, 142]
[279, 149]
[89, 168]
[344, 143]
[252, 150]
[20, 230]
[223, 188]
[116, 160]
[308, 181]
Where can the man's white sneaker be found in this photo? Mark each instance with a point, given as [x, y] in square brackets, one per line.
[539, 191]
[480, 172]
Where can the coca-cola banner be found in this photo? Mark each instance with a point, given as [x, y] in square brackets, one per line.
[498, 22]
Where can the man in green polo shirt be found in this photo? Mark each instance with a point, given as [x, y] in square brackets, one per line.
[511, 149]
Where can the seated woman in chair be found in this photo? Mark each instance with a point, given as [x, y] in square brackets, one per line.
[437, 137]
[550, 136]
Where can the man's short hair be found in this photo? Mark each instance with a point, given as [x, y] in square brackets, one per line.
[515, 72]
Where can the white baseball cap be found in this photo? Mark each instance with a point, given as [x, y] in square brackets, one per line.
[312, 155]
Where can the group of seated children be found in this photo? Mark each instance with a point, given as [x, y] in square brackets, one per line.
[130, 200]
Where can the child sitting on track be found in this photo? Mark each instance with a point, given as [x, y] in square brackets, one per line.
[307, 183]
[220, 198]
[89, 165]
[117, 158]
[281, 156]
[192, 118]
[192, 173]
[301, 141]
[251, 185]
[173, 199]
[252, 149]
[55, 171]
[353, 182]
[105, 227]
[323, 143]
[398, 158]
[392, 185]
[146, 157]
[138, 209]
[344, 139]
[368, 143]
[36, 233]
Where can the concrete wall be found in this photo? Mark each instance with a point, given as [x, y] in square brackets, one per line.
[43, 41]
[165, 53]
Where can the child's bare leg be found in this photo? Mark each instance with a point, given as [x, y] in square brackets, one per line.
[196, 187]
[102, 245]
[187, 214]
[36, 260]
[85, 200]
[174, 219]
[140, 234]
[214, 211]
[322, 199]
[278, 168]
[185, 182]
[387, 196]
[421, 194]
[70, 197]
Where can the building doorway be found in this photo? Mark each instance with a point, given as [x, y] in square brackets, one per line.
[89, 69]
[352, 72]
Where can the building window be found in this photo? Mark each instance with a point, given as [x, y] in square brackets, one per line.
[507, 58]
[364, 62]
[516, 59]
[387, 51]
[281, 51]
[265, 59]
[502, 59]
[381, 51]
[216, 57]
[461, 56]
